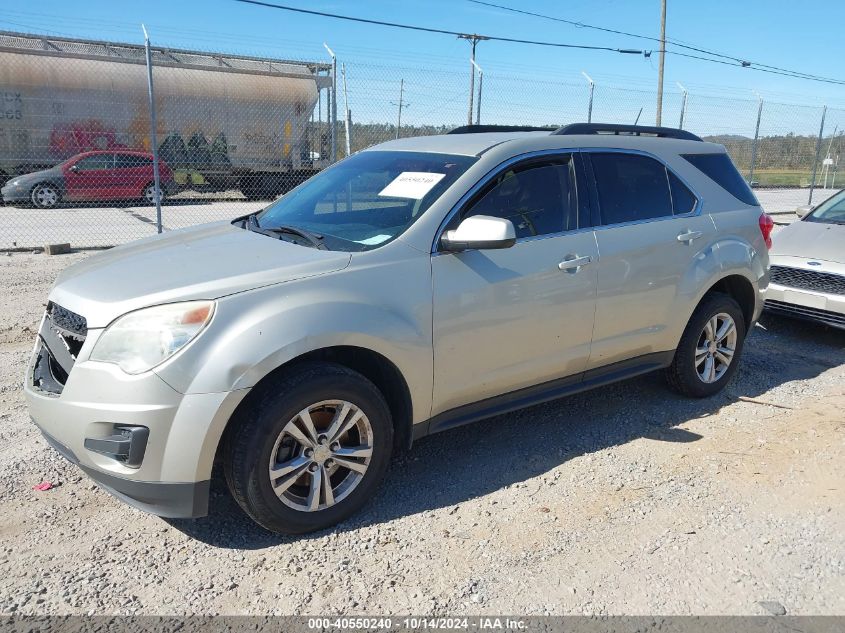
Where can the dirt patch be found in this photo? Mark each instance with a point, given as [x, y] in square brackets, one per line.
[625, 500]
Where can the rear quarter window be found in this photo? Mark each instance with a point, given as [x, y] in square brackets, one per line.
[721, 170]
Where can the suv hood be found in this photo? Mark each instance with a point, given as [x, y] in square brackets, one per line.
[813, 240]
[204, 262]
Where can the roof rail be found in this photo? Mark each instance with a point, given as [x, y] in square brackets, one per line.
[627, 130]
[476, 129]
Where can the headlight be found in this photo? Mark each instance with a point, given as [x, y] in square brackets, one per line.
[140, 340]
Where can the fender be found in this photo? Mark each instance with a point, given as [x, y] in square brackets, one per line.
[726, 257]
[253, 333]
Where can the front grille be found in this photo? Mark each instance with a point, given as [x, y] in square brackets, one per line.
[834, 319]
[67, 320]
[804, 279]
[60, 338]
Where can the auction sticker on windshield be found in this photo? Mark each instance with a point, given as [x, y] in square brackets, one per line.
[411, 184]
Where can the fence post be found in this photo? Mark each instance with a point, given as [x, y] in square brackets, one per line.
[590, 103]
[153, 125]
[754, 143]
[346, 122]
[480, 83]
[683, 106]
[816, 161]
[333, 115]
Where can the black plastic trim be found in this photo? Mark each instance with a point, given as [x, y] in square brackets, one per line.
[545, 392]
[172, 500]
[126, 445]
[42, 372]
[628, 130]
[477, 129]
[452, 246]
[827, 317]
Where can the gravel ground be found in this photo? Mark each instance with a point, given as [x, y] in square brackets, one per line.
[626, 501]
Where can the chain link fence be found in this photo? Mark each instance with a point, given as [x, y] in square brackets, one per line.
[230, 132]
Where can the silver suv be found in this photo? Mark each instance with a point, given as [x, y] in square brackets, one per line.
[416, 286]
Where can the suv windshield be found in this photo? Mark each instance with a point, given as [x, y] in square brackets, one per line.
[831, 210]
[368, 199]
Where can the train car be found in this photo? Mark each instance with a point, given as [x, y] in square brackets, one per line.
[223, 121]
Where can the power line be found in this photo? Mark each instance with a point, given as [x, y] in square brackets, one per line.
[738, 60]
[412, 27]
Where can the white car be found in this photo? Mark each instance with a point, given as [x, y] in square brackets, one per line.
[808, 265]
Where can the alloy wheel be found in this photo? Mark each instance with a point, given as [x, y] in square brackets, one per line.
[716, 347]
[321, 455]
[150, 194]
[45, 196]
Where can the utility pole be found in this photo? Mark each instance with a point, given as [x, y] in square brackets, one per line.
[662, 58]
[401, 94]
[473, 40]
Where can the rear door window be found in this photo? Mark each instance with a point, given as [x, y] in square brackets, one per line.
[630, 187]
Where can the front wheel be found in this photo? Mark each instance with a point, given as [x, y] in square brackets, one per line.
[45, 196]
[309, 449]
[710, 347]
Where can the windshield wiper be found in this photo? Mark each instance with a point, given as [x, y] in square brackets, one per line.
[251, 223]
[315, 240]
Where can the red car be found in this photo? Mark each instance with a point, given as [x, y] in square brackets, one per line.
[92, 176]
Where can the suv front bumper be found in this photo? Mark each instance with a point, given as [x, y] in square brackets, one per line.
[166, 499]
[98, 399]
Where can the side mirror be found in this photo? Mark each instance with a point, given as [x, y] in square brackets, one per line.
[73, 168]
[804, 210]
[479, 232]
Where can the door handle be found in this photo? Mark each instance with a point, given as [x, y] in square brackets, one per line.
[688, 236]
[573, 262]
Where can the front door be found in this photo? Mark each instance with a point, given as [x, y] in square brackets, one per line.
[516, 317]
[91, 178]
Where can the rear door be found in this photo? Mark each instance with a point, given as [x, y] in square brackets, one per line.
[649, 232]
[516, 317]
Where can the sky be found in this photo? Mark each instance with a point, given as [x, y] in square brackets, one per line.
[802, 36]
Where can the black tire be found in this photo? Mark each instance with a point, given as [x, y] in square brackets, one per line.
[144, 198]
[45, 195]
[682, 375]
[258, 424]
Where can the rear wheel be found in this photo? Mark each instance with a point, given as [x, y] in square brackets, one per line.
[45, 195]
[710, 347]
[310, 449]
[150, 193]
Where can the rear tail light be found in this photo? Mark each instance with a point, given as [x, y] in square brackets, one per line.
[766, 226]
